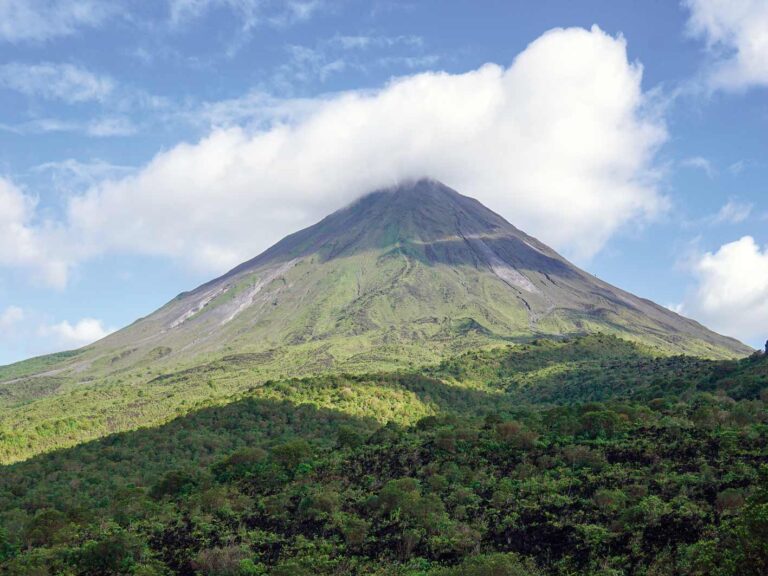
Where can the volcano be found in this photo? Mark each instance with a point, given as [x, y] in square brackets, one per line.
[403, 275]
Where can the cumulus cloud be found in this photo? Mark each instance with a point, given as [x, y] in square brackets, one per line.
[560, 136]
[25, 243]
[66, 82]
[42, 20]
[737, 33]
[560, 142]
[252, 110]
[25, 333]
[731, 294]
[82, 333]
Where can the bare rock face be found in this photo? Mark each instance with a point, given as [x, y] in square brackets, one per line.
[405, 274]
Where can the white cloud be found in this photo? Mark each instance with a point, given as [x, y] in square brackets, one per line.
[294, 11]
[66, 82]
[41, 20]
[307, 64]
[182, 11]
[700, 163]
[70, 175]
[363, 42]
[737, 167]
[249, 12]
[560, 136]
[733, 212]
[737, 32]
[677, 308]
[82, 333]
[9, 318]
[351, 53]
[24, 243]
[731, 295]
[101, 127]
[25, 333]
[111, 126]
[41, 126]
[410, 62]
[253, 110]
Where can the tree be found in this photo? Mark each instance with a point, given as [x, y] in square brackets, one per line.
[44, 526]
[112, 555]
[7, 550]
[491, 565]
[349, 437]
[292, 453]
[175, 484]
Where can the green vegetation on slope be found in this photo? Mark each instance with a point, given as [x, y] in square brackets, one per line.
[35, 365]
[597, 367]
[597, 489]
[464, 468]
[588, 368]
[543, 371]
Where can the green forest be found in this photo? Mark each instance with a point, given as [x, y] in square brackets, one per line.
[585, 456]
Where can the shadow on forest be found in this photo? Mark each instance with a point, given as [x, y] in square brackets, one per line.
[95, 470]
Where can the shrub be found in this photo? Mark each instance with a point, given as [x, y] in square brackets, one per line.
[491, 565]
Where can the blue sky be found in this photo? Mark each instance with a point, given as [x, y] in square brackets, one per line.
[146, 147]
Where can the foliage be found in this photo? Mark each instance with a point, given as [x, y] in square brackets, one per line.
[477, 466]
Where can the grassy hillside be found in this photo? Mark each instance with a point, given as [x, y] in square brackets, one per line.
[477, 465]
[35, 365]
[64, 414]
